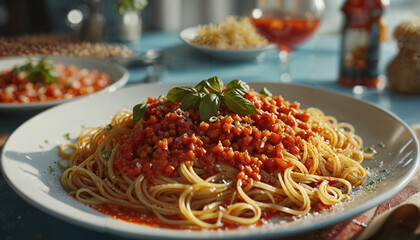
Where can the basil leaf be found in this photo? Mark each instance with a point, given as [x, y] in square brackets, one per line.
[32, 78]
[239, 104]
[264, 92]
[238, 86]
[43, 71]
[215, 84]
[202, 86]
[191, 101]
[209, 106]
[138, 112]
[178, 93]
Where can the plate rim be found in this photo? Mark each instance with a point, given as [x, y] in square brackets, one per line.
[225, 234]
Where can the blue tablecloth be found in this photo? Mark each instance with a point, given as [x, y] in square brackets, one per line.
[315, 63]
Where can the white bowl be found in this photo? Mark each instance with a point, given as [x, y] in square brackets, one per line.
[246, 54]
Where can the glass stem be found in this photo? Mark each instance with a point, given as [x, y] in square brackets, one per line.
[284, 66]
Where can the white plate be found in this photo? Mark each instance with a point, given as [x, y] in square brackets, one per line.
[188, 34]
[119, 77]
[27, 158]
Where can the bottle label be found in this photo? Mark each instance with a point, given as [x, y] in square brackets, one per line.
[360, 55]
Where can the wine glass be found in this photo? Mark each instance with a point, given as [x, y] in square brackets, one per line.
[287, 23]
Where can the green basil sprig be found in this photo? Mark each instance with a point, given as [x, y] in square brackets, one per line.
[239, 104]
[192, 101]
[238, 87]
[207, 95]
[209, 106]
[178, 93]
[43, 71]
[138, 112]
[265, 93]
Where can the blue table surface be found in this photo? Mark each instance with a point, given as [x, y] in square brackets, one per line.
[315, 64]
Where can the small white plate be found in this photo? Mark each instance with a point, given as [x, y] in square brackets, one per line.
[118, 75]
[29, 160]
[246, 54]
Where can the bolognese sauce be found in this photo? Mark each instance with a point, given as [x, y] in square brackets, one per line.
[248, 143]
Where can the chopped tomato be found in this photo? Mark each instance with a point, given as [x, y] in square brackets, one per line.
[72, 82]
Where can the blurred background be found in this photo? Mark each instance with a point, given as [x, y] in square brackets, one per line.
[19, 17]
[162, 57]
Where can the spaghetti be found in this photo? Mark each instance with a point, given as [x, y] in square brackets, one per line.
[232, 33]
[230, 171]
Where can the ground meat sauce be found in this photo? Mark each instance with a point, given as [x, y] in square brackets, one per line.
[170, 136]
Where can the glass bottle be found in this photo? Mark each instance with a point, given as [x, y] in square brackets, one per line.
[362, 33]
[93, 26]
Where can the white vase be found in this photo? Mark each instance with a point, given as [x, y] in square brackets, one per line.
[130, 26]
